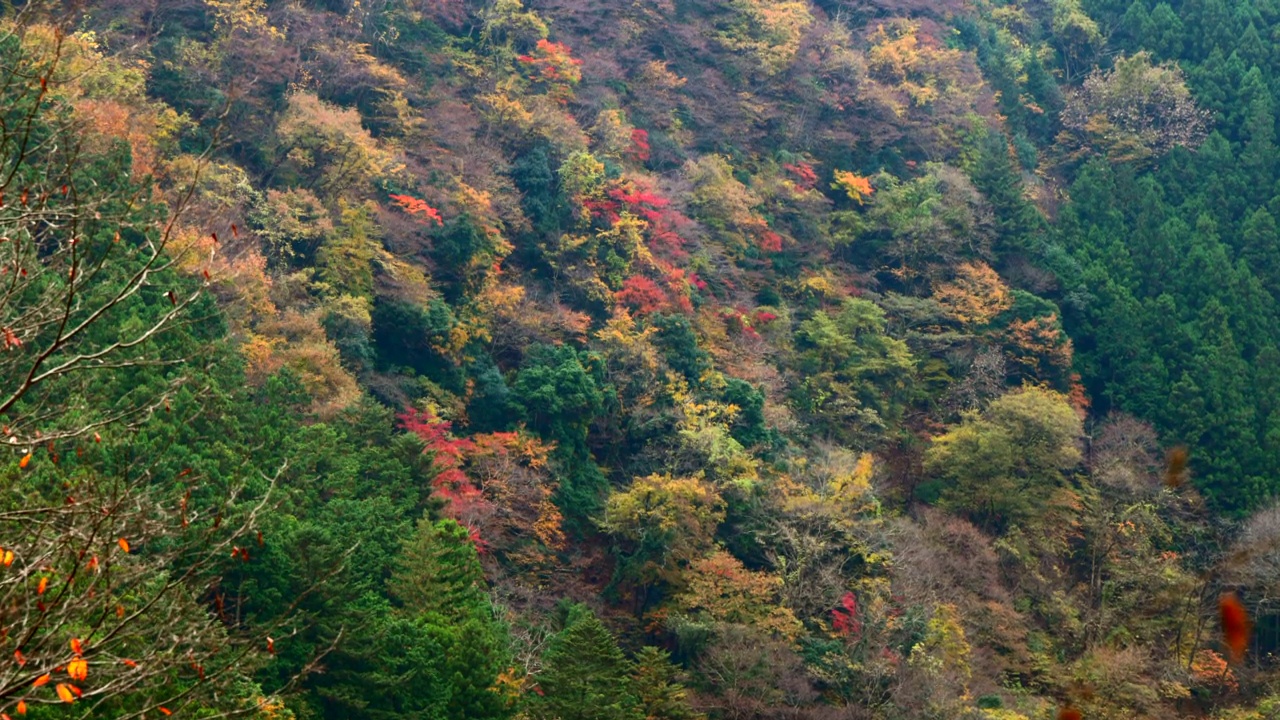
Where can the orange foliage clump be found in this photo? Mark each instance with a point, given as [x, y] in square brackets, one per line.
[975, 296]
[858, 188]
[414, 206]
[1211, 669]
[110, 120]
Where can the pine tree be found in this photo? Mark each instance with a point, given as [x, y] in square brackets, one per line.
[1260, 248]
[438, 572]
[658, 687]
[585, 676]
[1164, 32]
[994, 175]
[441, 585]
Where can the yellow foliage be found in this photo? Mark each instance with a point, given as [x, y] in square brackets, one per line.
[852, 490]
[504, 109]
[298, 342]
[247, 16]
[331, 142]
[924, 72]
[769, 29]
[824, 285]
[1002, 714]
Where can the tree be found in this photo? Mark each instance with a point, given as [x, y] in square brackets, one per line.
[106, 574]
[856, 375]
[930, 223]
[720, 590]
[439, 581]
[660, 525]
[1134, 112]
[106, 562]
[584, 675]
[1077, 35]
[658, 687]
[559, 398]
[86, 245]
[328, 148]
[1003, 465]
[975, 296]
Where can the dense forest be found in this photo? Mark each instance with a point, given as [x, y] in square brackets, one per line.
[644, 360]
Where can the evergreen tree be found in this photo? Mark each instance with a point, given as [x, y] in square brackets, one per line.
[1164, 32]
[439, 581]
[657, 685]
[584, 675]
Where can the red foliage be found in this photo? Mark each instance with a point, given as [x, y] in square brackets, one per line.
[803, 174]
[764, 317]
[495, 484]
[642, 295]
[677, 289]
[737, 323]
[414, 206]
[844, 619]
[639, 199]
[447, 456]
[436, 434]
[554, 65]
[640, 150]
[646, 204]
[770, 241]
[1236, 627]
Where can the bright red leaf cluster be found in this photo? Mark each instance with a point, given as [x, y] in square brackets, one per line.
[803, 174]
[844, 619]
[640, 149]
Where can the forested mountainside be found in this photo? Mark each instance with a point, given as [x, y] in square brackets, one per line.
[643, 360]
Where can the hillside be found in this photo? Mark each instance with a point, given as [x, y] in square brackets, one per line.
[647, 360]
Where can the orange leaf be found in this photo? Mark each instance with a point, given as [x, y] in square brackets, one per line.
[25, 461]
[19, 658]
[7, 558]
[64, 693]
[77, 647]
[124, 544]
[119, 611]
[165, 710]
[129, 663]
[41, 681]
[22, 707]
[44, 585]
[78, 669]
